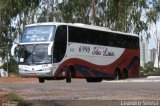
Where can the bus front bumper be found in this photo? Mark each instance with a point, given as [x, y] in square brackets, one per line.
[22, 74]
[27, 73]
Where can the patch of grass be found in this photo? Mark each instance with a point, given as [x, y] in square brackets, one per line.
[14, 97]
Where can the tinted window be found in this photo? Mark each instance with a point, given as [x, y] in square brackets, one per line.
[88, 36]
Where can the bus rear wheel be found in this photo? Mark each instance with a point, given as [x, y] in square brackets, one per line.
[94, 79]
[71, 73]
[41, 80]
[68, 77]
[125, 74]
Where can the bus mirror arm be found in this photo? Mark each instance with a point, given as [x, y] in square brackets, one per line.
[13, 49]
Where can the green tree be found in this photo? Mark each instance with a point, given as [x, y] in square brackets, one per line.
[9, 10]
[153, 15]
[121, 15]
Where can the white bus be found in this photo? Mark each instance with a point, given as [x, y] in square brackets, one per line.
[64, 50]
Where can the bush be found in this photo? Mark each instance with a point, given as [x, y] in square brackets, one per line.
[12, 66]
[13, 97]
[149, 70]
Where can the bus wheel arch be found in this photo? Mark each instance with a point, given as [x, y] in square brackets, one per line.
[70, 73]
[125, 73]
[117, 74]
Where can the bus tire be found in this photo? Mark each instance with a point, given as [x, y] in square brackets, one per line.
[125, 74]
[41, 80]
[68, 76]
[117, 75]
[94, 79]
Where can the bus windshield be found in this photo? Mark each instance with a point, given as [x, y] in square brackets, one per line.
[34, 54]
[37, 33]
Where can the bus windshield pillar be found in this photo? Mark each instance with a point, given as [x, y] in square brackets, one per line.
[50, 48]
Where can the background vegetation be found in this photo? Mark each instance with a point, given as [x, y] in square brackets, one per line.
[149, 70]
[12, 97]
[132, 16]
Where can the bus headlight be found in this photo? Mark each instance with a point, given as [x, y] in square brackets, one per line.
[47, 69]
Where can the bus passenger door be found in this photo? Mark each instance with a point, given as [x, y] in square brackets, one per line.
[60, 43]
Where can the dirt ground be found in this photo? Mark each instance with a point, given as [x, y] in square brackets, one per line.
[11, 80]
[3, 94]
[60, 93]
[15, 79]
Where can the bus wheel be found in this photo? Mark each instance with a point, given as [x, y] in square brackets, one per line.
[125, 74]
[69, 75]
[41, 80]
[117, 75]
[94, 79]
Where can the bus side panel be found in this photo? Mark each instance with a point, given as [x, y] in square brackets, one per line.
[133, 63]
[83, 69]
[128, 60]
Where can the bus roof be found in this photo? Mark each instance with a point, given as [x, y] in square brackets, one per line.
[82, 26]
